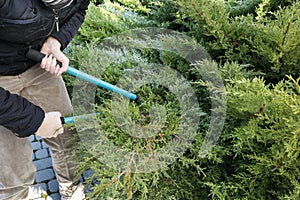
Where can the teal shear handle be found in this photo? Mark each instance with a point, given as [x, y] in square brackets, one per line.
[38, 56]
[71, 120]
[91, 79]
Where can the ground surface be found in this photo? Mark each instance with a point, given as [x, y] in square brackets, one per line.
[45, 186]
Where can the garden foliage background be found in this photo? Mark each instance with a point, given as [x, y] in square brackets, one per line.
[256, 46]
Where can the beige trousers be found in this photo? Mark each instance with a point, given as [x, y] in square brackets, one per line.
[17, 171]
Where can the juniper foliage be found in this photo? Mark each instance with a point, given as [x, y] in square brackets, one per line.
[267, 38]
[256, 48]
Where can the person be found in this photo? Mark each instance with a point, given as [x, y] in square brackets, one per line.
[33, 95]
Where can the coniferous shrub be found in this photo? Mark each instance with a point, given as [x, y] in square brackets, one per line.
[267, 38]
[264, 140]
[140, 6]
[257, 154]
[107, 19]
[165, 14]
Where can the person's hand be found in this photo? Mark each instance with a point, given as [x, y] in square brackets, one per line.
[51, 48]
[51, 126]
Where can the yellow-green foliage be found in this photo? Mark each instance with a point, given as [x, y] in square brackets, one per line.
[108, 19]
[268, 40]
[257, 155]
[265, 141]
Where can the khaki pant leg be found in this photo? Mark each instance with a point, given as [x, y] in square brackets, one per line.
[49, 92]
[17, 171]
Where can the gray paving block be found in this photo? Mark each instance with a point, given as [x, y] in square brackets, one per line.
[50, 152]
[54, 196]
[38, 138]
[31, 138]
[41, 153]
[44, 145]
[33, 156]
[43, 163]
[36, 145]
[87, 173]
[53, 186]
[44, 175]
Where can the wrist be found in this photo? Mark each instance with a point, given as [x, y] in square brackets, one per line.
[53, 43]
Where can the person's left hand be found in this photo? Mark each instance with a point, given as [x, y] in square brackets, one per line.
[51, 125]
[51, 48]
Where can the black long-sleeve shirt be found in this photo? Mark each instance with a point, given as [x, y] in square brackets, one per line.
[19, 115]
[27, 24]
[22, 26]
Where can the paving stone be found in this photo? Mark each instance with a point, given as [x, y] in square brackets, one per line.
[50, 152]
[53, 186]
[33, 156]
[36, 145]
[44, 175]
[38, 138]
[87, 174]
[44, 145]
[41, 153]
[31, 138]
[54, 196]
[43, 163]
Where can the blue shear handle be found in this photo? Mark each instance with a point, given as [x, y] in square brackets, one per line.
[67, 120]
[74, 72]
[70, 120]
[38, 56]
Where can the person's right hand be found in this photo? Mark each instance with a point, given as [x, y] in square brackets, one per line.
[51, 48]
[51, 126]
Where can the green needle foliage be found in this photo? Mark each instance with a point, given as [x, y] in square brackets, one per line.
[265, 141]
[267, 39]
[254, 45]
[108, 19]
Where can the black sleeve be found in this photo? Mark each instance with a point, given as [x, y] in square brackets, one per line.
[19, 115]
[71, 27]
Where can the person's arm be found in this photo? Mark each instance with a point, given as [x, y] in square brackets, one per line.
[58, 40]
[69, 29]
[24, 118]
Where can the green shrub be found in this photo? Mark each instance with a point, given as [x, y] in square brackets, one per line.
[108, 19]
[261, 34]
[265, 140]
[268, 41]
[237, 8]
[257, 157]
[136, 5]
[165, 14]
